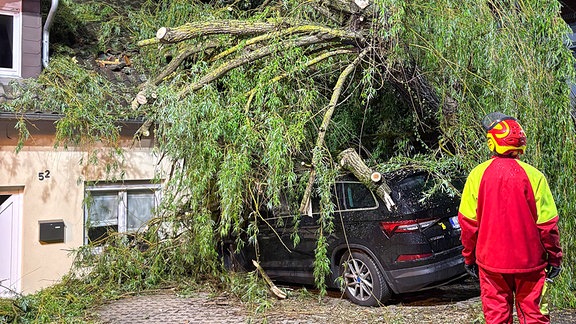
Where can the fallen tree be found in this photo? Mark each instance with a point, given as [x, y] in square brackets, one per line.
[286, 81]
[256, 40]
[240, 95]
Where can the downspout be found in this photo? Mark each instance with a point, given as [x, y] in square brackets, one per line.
[46, 33]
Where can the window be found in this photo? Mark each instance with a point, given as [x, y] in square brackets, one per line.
[357, 196]
[315, 199]
[10, 43]
[118, 208]
[412, 189]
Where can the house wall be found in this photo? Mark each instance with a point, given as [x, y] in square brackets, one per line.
[31, 39]
[59, 197]
[30, 42]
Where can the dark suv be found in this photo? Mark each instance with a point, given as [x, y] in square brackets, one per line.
[375, 251]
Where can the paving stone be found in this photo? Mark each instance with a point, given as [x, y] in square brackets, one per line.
[167, 307]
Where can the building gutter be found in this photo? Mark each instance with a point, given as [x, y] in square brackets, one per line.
[46, 32]
[41, 116]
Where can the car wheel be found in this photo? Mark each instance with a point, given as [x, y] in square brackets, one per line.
[363, 283]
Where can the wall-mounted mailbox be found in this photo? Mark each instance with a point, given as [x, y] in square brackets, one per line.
[51, 231]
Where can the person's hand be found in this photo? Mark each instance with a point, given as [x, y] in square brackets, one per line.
[552, 271]
[472, 270]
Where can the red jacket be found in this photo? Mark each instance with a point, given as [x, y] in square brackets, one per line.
[508, 218]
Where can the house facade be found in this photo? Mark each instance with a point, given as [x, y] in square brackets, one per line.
[53, 201]
[43, 195]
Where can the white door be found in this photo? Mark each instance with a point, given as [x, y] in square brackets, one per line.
[10, 246]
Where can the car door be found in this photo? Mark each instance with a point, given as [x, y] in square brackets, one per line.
[279, 256]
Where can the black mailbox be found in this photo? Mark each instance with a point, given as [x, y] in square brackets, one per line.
[51, 231]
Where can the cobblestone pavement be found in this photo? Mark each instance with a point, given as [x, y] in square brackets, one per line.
[167, 307]
[301, 307]
[456, 304]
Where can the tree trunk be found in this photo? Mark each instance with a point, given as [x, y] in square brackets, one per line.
[228, 27]
[350, 160]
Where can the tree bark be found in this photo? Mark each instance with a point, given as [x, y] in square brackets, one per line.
[255, 55]
[228, 27]
[285, 33]
[351, 161]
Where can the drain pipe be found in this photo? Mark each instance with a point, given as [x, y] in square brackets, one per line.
[46, 33]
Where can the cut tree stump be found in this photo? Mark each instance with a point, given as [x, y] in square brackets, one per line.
[351, 161]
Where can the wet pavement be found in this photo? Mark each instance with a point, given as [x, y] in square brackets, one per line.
[167, 307]
[455, 304]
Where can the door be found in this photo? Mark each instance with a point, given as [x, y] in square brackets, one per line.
[10, 242]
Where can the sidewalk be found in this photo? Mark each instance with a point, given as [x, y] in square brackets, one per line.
[455, 304]
[166, 307]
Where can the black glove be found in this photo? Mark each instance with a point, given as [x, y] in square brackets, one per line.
[472, 270]
[552, 271]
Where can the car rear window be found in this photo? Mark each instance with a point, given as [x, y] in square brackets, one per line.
[415, 184]
[411, 191]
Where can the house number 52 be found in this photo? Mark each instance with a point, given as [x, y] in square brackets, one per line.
[44, 175]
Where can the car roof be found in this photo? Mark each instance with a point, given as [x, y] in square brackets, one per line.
[392, 176]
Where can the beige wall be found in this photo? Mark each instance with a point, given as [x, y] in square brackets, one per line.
[58, 197]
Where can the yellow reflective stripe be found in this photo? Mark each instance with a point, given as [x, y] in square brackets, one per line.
[469, 201]
[545, 205]
[544, 297]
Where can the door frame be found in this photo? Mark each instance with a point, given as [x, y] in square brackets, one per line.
[16, 237]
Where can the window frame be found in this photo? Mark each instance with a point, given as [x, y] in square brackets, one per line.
[16, 70]
[122, 191]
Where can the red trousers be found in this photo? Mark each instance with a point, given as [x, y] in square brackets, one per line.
[498, 292]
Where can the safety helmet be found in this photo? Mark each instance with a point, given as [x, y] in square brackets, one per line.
[504, 133]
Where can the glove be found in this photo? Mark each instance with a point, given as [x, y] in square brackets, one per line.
[552, 271]
[472, 270]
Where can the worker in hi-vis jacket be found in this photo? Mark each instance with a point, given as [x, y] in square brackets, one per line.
[509, 227]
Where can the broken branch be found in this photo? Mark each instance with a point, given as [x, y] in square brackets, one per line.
[279, 293]
[251, 57]
[351, 160]
[326, 121]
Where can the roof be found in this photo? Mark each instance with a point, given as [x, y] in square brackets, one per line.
[116, 68]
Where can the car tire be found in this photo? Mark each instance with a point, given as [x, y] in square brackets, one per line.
[363, 282]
